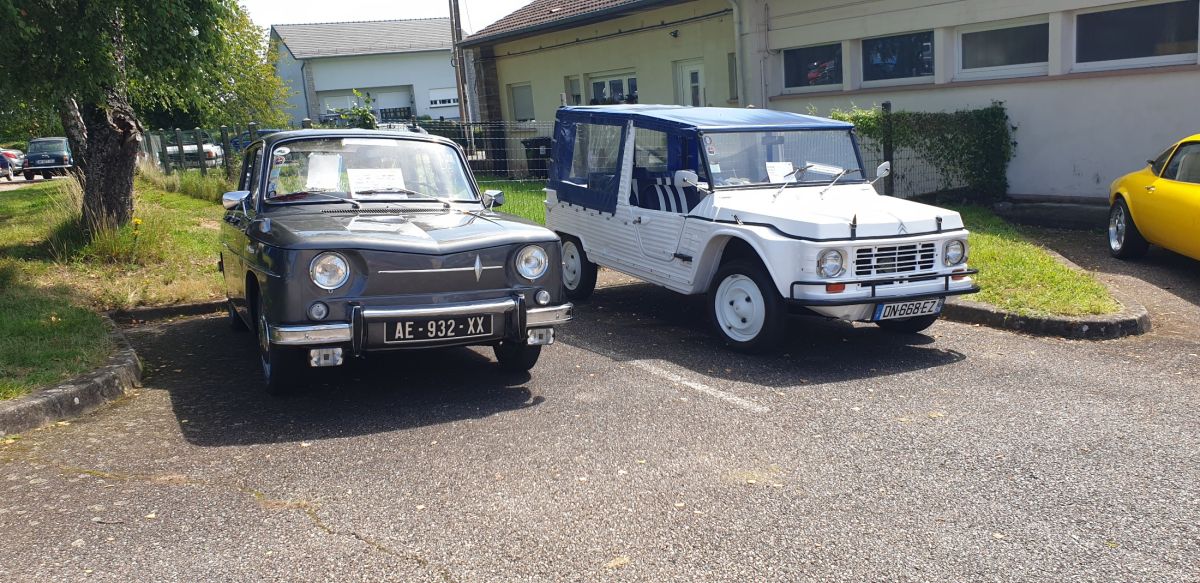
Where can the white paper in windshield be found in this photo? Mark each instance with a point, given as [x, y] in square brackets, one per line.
[324, 172]
[779, 171]
[375, 179]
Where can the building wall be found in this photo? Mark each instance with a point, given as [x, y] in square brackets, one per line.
[704, 31]
[1078, 127]
[422, 72]
[291, 71]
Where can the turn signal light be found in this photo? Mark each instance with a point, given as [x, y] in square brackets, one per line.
[958, 277]
[835, 288]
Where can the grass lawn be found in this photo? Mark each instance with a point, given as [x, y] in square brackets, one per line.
[1015, 274]
[52, 281]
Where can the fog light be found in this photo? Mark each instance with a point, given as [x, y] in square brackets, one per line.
[318, 311]
[542, 297]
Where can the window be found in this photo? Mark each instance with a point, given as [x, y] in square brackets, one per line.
[521, 97]
[443, 97]
[773, 157]
[1185, 165]
[597, 152]
[608, 90]
[1006, 47]
[904, 56]
[1155, 31]
[1157, 164]
[650, 151]
[574, 90]
[812, 66]
[733, 77]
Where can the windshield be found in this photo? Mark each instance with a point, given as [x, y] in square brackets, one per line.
[43, 147]
[368, 169]
[778, 157]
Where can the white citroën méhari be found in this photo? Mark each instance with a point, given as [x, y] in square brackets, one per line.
[767, 212]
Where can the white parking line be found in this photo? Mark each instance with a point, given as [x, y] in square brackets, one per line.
[703, 388]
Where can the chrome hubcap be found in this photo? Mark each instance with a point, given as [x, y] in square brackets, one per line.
[572, 265]
[1116, 229]
[740, 308]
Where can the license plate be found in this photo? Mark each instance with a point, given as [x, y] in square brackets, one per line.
[42, 162]
[417, 330]
[908, 309]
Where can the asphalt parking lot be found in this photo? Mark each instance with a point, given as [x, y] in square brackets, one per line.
[639, 450]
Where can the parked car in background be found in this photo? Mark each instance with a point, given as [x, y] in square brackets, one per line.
[242, 140]
[16, 157]
[6, 168]
[1159, 204]
[766, 212]
[48, 157]
[207, 152]
[346, 243]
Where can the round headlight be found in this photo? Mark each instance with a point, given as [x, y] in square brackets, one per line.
[831, 263]
[532, 262]
[329, 271]
[954, 252]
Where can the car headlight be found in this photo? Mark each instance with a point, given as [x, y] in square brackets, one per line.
[329, 270]
[954, 252]
[532, 262]
[831, 263]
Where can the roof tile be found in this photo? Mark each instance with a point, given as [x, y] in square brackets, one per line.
[544, 12]
[378, 37]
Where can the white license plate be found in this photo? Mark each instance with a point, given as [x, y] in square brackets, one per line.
[42, 162]
[908, 309]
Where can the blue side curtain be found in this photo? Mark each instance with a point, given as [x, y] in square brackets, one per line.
[601, 190]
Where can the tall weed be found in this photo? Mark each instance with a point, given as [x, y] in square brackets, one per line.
[188, 182]
[141, 242]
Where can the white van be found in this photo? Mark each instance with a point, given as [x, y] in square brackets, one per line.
[767, 212]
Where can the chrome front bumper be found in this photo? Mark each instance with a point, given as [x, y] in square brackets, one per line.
[339, 333]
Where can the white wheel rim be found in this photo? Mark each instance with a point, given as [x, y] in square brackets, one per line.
[740, 308]
[1116, 229]
[572, 265]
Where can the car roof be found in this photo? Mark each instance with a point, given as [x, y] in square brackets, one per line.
[272, 139]
[45, 140]
[706, 118]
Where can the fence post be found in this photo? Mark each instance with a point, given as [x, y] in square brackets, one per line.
[889, 183]
[163, 155]
[306, 123]
[227, 151]
[201, 159]
[253, 127]
[179, 149]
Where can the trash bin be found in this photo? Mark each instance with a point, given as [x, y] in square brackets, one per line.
[537, 156]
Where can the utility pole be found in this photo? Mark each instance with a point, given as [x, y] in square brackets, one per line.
[460, 73]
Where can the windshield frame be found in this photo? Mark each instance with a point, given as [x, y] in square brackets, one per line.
[50, 146]
[268, 145]
[861, 178]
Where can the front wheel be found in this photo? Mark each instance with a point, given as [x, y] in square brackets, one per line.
[908, 325]
[1125, 241]
[745, 308]
[516, 357]
[579, 274]
[280, 364]
[29, 176]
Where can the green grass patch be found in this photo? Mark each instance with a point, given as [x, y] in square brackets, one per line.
[190, 182]
[523, 198]
[1020, 276]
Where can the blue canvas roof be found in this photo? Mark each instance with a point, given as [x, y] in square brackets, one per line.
[705, 118]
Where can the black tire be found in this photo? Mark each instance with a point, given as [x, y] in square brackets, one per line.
[743, 321]
[29, 176]
[1125, 241]
[578, 270]
[516, 357]
[47, 175]
[908, 325]
[281, 365]
[236, 323]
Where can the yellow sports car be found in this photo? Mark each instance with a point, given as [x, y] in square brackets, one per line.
[1158, 204]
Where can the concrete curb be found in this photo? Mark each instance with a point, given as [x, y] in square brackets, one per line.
[79, 395]
[1132, 320]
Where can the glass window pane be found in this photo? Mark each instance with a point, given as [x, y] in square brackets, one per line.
[742, 158]
[1019, 45]
[522, 99]
[1143, 31]
[733, 76]
[1189, 153]
[596, 152]
[632, 96]
[650, 150]
[898, 57]
[813, 66]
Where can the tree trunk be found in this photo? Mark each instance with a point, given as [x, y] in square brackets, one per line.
[113, 138]
[72, 122]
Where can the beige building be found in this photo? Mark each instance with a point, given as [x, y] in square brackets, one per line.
[575, 52]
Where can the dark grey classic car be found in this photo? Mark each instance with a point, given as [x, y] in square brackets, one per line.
[348, 243]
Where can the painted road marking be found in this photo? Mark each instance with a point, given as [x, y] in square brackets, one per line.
[700, 387]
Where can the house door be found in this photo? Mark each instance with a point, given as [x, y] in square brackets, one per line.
[689, 83]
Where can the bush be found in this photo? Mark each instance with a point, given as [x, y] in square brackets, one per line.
[971, 146]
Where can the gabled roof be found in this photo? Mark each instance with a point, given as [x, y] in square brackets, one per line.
[713, 119]
[378, 37]
[541, 15]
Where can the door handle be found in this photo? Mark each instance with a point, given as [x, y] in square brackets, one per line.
[1151, 188]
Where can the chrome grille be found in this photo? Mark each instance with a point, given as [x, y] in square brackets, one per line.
[892, 259]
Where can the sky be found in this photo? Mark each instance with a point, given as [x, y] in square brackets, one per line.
[476, 14]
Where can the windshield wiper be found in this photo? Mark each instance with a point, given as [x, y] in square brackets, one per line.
[799, 170]
[840, 175]
[321, 193]
[422, 196]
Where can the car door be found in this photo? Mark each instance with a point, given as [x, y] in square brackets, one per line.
[234, 239]
[658, 206]
[1172, 204]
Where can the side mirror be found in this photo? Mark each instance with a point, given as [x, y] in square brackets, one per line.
[232, 200]
[686, 179]
[493, 198]
[884, 170]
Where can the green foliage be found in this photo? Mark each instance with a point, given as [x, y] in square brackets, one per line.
[523, 198]
[360, 116]
[190, 182]
[971, 146]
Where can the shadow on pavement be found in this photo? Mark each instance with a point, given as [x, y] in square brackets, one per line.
[646, 322]
[215, 387]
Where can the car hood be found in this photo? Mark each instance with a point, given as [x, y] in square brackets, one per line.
[436, 232]
[805, 212]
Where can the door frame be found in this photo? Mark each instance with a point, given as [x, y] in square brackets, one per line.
[682, 82]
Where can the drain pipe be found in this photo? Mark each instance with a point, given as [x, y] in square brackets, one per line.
[739, 52]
